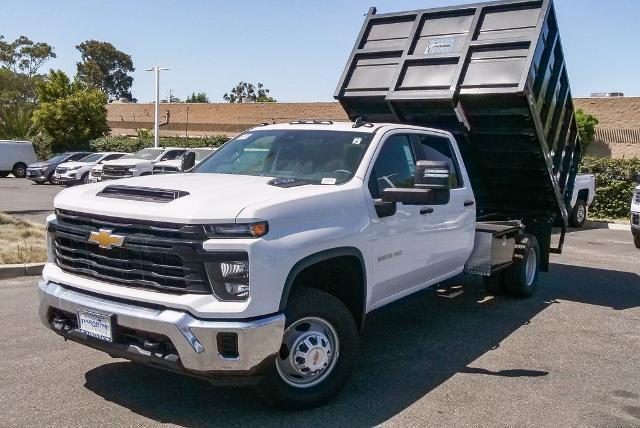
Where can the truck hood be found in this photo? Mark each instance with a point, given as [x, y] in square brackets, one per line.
[211, 198]
[75, 163]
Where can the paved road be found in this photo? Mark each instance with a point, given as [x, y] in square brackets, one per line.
[23, 198]
[569, 356]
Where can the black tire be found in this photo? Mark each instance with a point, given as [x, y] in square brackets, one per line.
[19, 170]
[305, 303]
[494, 284]
[85, 178]
[578, 214]
[521, 278]
[4, 174]
[636, 240]
[39, 182]
[51, 180]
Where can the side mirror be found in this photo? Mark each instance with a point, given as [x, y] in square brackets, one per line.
[432, 186]
[638, 177]
[384, 209]
[188, 161]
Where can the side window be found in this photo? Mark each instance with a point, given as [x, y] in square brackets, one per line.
[172, 154]
[394, 167]
[112, 157]
[435, 148]
[78, 156]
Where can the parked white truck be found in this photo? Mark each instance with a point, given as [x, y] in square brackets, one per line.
[262, 263]
[584, 193]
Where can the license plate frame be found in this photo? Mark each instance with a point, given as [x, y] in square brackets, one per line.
[96, 324]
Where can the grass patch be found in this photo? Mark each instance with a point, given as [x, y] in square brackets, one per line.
[21, 241]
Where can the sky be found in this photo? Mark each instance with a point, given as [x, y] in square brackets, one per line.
[298, 49]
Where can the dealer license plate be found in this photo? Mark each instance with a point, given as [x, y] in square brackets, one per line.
[95, 325]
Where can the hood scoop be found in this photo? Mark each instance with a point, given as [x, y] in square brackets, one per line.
[144, 194]
[288, 182]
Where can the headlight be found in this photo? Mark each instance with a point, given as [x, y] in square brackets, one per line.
[51, 252]
[230, 278]
[237, 230]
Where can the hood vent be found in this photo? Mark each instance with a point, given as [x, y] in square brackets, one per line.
[145, 194]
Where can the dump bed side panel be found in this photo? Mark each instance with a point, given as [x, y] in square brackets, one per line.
[491, 73]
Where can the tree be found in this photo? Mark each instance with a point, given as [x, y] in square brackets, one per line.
[17, 88]
[245, 92]
[69, 113]
[24, 56]
[106, 68]
[16, 123]
[586, 127]
[200, 97]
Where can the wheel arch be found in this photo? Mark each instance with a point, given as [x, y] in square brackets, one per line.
[355, 298]
[583, 194]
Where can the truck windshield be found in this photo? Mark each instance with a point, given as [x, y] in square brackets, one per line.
[316, 156]
[146, 154]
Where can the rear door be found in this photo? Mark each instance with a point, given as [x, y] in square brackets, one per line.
[451, 226]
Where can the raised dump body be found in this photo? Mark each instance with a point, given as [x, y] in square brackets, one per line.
[493, 74]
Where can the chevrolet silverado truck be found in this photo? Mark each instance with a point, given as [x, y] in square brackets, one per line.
[263, 262]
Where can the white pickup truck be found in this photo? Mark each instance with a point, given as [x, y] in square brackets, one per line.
[584, 192]
[635, 214]
[139, 163]
[262, 263]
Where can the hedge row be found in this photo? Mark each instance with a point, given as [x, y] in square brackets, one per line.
[133, 144]
[615, 181]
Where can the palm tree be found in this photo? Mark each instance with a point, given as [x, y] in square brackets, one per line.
[16, 123]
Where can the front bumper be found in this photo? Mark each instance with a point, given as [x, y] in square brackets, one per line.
[70, 177]
[37, 174]
[195, 346]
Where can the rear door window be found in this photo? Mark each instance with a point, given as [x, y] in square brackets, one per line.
[436, 148]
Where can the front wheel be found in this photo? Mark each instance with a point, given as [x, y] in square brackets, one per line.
[521, 278]
[318, 349]
[85, 178]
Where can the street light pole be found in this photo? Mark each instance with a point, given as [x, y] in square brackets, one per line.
[156, 125]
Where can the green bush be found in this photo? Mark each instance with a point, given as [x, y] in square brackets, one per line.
[615, 181]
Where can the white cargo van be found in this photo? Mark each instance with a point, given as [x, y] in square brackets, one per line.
[15, 156]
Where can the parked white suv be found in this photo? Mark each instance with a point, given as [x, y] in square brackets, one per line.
[15, 156]
[79, 171]
[139, 163]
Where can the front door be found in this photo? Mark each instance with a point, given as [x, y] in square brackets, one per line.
[400, 250]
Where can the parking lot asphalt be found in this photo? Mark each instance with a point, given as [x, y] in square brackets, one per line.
[25, 199]
[568, 356]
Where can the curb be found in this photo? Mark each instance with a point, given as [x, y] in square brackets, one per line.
[604, 225]
[23, 269]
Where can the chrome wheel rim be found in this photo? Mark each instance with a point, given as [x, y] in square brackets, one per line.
[531, 266]
[309, 352]
[580, 215]
[20, 172]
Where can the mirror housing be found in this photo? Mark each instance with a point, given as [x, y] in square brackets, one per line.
[432, 186]
[384, 209]
[188, 161]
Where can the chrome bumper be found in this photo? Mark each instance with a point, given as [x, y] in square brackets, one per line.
[195, 340]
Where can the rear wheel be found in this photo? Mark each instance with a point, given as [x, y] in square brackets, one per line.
[19, 170]
[578, 214]
[521, 278]
[318, 349]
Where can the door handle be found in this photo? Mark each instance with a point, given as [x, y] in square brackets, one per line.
[427, 210]
[469, 203]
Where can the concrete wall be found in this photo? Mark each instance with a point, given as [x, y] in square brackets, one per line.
[618, 133]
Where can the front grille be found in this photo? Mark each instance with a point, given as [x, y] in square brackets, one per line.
[159, 256]
[165, 170]
[60, 170]
[116, 171]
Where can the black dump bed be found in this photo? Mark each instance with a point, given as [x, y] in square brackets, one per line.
[491, 73]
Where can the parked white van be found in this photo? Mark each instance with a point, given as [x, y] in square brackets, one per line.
[15, 156]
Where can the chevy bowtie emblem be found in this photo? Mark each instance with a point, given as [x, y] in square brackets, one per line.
[105, 239]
